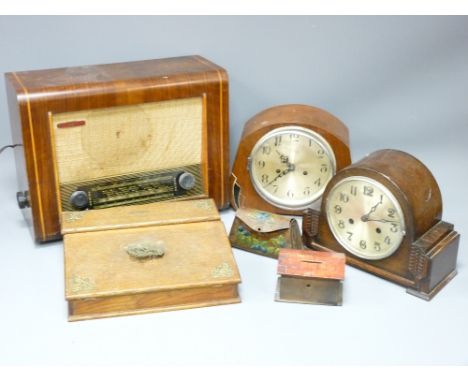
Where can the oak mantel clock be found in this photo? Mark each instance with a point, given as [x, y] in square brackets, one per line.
[286, 157]
[385, 213]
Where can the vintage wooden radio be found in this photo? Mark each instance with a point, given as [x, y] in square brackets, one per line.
[385, 212]
[112, 135]
[286, 157]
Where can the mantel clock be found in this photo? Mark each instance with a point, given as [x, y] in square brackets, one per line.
[286, 157]
[385, 213]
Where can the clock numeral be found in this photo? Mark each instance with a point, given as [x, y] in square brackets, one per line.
[290, 194]
[278, 140]
[353, 190]
[387, 240]
[320, 153]
[261, 163]
[344, 198]
[341, 224]
[266, 150]
[338, 209]
[323, 168]
[377, 246]
[318, 181]
[368, 191]
[307, 191]
[265, 178]
[294, 137]
[394, 227]
[391, 213]
[363, 244]
[275, 188]
[350, 235]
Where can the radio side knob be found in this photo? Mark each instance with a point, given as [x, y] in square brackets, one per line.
[186, 181]
[79, 200]
[23, 199]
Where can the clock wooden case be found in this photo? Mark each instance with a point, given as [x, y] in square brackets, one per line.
[385, 213]
[110, 135]
[298, 145]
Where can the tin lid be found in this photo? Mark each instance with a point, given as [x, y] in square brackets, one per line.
[262, 221]
[306, 263]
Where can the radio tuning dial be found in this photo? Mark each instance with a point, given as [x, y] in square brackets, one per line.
[79, 200]
[186, 181]
[23, 199]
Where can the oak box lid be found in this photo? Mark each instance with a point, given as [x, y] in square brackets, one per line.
[143, 215]
[98, 260]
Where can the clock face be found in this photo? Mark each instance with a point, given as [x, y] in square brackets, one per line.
[290, 167]
[365, 217]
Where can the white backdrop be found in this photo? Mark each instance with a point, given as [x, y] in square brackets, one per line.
[397, 82]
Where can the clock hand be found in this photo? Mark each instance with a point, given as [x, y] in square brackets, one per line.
[283, 158]
[284, 172]
[290, 168]
[381, 220]
[365, 217]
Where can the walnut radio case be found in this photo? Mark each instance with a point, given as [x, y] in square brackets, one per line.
[104, 136]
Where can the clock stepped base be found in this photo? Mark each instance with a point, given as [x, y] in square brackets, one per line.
[433, 292]
[442, 259]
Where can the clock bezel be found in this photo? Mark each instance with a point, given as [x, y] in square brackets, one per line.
[320, 140]
[386, 191]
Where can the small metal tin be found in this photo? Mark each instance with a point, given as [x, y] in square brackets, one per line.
[310, 277]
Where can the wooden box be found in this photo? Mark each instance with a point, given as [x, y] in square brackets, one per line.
[105, 276]
[110, 135]
[310, 277]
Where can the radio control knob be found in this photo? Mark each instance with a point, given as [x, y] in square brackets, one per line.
[186, 181]
[23, 199]
[79, 200]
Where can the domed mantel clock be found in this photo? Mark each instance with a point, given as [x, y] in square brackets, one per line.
[385, 213]
[286, 157]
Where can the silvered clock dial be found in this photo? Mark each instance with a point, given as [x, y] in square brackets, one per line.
[365, 217]
[290, 167]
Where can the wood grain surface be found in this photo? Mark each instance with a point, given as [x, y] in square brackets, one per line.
[153, 302]
[155, 214]
[35, 96]
[103, 278]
